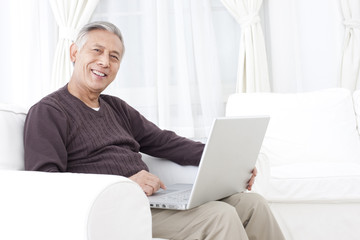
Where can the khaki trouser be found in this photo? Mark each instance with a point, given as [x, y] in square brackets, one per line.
[240, 216]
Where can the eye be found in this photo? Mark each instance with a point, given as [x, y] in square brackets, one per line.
[115, 57]
[96, 50]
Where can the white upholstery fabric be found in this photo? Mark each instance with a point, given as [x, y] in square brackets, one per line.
[37, 205]
[309, 166]
[44, 206]
[11, 137]
[301, 193]
[356, 97]
[169, 172]
[304, 127]
[314, 182]
[318, 221]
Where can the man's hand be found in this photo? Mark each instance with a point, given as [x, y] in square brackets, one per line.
[148, 182]
[252, 179]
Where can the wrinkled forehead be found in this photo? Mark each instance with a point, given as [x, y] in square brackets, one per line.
[103, 39]
[99, 34]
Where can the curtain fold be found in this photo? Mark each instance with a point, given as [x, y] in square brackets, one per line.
[187, 75]
[28, 41]
[252, 73]
[206, 61]
[350, 62]
[69, 15]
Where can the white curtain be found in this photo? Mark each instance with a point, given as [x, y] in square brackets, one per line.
[170, 70]
[27, 39]
[304, 43]
[253, 73]
[350, 64]
[70, 15]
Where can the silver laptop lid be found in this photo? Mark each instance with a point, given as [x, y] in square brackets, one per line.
[228, 158]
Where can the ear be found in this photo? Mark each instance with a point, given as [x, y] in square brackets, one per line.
[73, 52]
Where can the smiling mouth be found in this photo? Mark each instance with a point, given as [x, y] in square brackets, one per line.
[100, 74]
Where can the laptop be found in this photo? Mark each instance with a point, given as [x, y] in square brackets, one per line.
[225, 167]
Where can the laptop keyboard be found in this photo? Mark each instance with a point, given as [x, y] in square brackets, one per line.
[177, 196]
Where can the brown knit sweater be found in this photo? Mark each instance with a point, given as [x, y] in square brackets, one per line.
[63, 134]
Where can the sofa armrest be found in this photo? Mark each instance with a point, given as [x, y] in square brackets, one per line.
[42, 206]
[170, 172]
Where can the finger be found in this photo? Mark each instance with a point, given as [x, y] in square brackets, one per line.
[152, 182]
[254, 172]
[155, 185]
[251, 183]
[155, 182]
[151, 188]
[148, 190]
[162, 185]
[148, 182]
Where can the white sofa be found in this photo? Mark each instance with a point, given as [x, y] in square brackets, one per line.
[309, 171]
[309, 164]
[43, 206]
[310, 160]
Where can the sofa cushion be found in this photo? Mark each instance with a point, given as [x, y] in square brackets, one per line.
[309, 127]
[319, 182]
[11, 137]
[356, 96]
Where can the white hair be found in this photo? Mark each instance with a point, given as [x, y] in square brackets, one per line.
[82, 34]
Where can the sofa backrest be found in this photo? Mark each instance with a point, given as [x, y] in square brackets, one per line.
[316, 126]
[12, 120]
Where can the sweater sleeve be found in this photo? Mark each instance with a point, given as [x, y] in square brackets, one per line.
[45, 139]
[163, 143]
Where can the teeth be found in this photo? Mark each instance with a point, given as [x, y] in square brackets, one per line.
[99, 73]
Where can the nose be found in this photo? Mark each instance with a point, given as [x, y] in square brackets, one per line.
[104, 60]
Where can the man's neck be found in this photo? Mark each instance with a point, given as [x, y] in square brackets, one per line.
[89, 98]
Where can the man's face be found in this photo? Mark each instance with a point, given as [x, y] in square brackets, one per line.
[97, 62]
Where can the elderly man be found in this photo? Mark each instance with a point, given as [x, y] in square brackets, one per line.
[78, 129]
